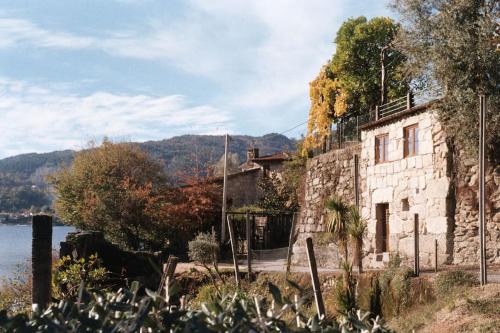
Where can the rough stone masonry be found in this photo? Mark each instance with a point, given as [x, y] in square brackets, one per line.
[436, 183]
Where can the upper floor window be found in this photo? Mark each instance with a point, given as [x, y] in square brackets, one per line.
[381, 148]
[411, 140]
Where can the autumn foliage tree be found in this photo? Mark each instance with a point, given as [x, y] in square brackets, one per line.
[350, 84]
[120, 190]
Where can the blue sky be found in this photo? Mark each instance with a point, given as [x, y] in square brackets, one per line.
[73, 71]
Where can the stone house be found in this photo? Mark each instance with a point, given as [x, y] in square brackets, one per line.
[242, 186]
[403, 174]
[405, 181]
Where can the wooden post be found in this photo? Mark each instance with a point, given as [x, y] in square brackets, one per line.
[233, 249]
[249, 245]
[376, 113]
[315, 278]
[356, 179]
[168, 273]
[435, 256]
[416, 246]
[224, 192]
[297, 312]
[41, 260]
[482, 223]
[290, 244]
[408, 100]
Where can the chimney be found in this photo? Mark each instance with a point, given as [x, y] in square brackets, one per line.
[252, 153]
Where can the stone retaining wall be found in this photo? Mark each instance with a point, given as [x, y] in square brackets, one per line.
[328, 174]
[466, 233]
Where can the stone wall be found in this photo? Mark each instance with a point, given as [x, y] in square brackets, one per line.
[437, 184]
[130, 265]
[242, 188]
[328, 174]
[466, 233]
[413, 185]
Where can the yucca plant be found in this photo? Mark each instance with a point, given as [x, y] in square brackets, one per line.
[356, 230]
[337, 222]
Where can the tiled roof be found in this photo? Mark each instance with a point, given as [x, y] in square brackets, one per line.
[281, 156]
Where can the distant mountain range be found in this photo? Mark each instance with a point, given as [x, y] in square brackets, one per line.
[22, 177]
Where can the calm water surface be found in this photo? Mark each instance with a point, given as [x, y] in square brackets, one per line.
[15, 245]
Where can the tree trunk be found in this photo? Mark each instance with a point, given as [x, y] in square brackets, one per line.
[359, 255]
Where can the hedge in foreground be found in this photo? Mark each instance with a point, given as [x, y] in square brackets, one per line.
[126, 311]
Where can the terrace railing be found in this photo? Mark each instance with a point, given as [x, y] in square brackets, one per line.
[393, 107]
[347, 130]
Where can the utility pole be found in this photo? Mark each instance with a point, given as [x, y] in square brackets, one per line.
[224, 193]
[383, 78]
[482, 223]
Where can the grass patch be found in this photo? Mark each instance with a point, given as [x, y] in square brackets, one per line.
[448, 282]
[483, 306]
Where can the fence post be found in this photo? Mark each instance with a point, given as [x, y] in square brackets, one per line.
[249, 245]
[297, 313]
[315, 278]
[416, 246]
[408, 100]
[290, 244]
[41, 260]
[482, 221]
[356, 180]
[376, 113]
[435, 256]
[233, 249]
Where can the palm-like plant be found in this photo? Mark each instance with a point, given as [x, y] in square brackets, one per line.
[338, 220]
[356, 230]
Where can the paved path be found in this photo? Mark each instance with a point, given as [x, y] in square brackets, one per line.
[279, 265]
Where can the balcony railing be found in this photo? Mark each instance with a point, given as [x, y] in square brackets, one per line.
[347, 130]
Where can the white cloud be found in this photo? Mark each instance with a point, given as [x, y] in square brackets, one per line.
[34, 118]
[260, 56]
[14, 32]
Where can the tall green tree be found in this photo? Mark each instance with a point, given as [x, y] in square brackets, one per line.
[453, 44]
[364, 48]
[351, 83]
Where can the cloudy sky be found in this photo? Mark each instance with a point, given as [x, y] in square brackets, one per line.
[72, 71]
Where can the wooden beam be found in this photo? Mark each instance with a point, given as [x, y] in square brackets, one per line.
[320, 306]
[233, 249]
[41, 260]
[249, 245]
[482, 222]
[290, 244]
[416, 250]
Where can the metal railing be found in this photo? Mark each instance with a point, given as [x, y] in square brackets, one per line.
[394, 107]
[347, 130]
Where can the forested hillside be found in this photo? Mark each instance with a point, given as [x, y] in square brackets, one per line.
[23, 177]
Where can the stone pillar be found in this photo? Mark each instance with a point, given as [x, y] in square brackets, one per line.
[41, 260]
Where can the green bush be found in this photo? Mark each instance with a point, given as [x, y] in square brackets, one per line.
[127, 311]
[204, 249]
[70, 273]
[15, 291]
[447, 282]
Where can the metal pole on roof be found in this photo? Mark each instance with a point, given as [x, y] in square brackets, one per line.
[482, 223]
[224, 193]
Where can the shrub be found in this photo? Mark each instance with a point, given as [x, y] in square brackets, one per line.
[69, 274]
[204, 249]
[15, 291]
[447, 282]
[126, 311]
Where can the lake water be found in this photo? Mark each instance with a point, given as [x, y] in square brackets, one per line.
[15, 245]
